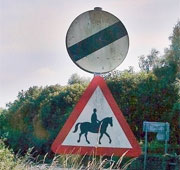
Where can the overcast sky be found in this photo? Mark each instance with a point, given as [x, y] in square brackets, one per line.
[32, 37]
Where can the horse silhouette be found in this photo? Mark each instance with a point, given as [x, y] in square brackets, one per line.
[86, 127]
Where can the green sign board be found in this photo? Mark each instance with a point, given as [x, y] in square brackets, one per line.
[161, 128]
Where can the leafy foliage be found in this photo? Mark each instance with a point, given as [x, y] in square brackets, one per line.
[35, 118]
[142, 96]
[75, 78]
[149, 62]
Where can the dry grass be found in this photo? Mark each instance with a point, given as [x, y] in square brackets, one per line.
[10, 161]
[77, 162]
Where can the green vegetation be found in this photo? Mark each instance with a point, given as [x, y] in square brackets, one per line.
[6, 157]
[35, 118]
[11, 161]
[38, 114]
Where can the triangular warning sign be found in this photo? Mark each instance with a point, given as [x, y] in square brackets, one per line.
[96, 126]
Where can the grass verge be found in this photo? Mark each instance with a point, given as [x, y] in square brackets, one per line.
[11, 161]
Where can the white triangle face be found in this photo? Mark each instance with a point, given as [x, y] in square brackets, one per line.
[116, 133]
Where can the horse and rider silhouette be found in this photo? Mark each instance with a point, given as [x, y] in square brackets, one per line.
[95, 126]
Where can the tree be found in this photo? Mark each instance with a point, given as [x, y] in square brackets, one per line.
[149, 62]
[75, 78]
[1, 110]
[174, 54]
[169, 78]
[173, 57]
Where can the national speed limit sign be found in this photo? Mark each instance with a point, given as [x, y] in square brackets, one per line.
[97, 41]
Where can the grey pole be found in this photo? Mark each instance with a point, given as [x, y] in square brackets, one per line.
[166, 137]
[145, 149]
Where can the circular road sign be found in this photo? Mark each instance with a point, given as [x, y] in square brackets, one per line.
[97, 41]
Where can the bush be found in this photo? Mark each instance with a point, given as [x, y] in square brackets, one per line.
[35, 118]
[6, 157]
[144, 97]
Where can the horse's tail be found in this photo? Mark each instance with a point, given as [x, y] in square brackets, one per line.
[76, 127]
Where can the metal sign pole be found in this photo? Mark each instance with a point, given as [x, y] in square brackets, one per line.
[166, 138]
[145, 148]
[165, 149]
[97, 74]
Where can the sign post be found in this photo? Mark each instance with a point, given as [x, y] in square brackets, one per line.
[162, 129]
[145, 149]
[97, 42]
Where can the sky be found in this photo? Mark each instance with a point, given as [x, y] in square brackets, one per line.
[32, 38]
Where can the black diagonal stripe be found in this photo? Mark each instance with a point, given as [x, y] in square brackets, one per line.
[97, 41]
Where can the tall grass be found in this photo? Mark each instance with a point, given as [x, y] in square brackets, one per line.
[78, 162]
[11, 161]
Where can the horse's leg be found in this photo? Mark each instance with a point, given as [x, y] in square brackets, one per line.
[79, 137]
[86, 137]
[108, 137]
[100, 138]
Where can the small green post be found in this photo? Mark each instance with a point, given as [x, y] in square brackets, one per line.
[166, 137]
[145, 149]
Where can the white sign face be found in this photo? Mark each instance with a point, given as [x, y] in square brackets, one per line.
[97, 41]
[103, 110]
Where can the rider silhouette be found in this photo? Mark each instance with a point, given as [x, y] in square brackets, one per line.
[94, 119]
